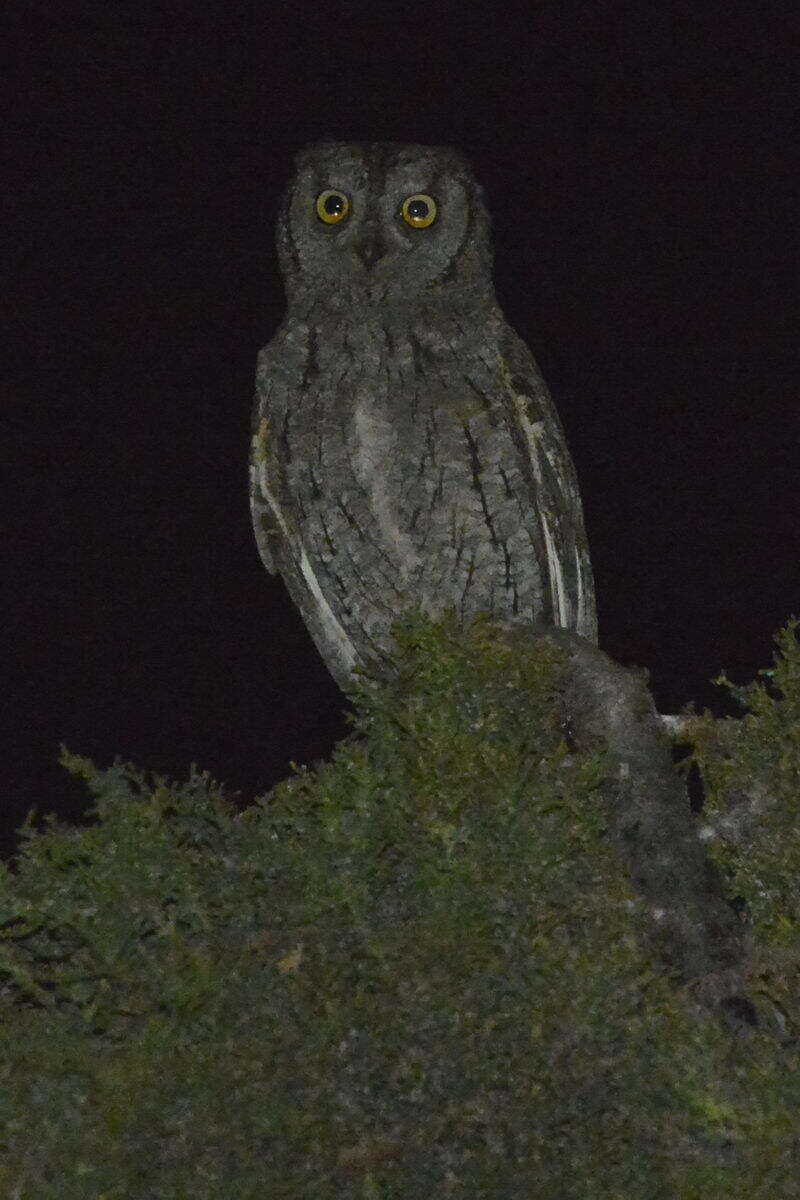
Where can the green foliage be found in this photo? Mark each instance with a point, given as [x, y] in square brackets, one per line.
[416, 970]
[751, 773]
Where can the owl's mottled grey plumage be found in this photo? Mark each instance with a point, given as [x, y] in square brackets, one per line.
[405, 448]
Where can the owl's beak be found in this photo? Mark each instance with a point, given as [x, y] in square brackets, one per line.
[370, 250]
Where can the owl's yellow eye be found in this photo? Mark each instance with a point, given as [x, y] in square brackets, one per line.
[419, 210]
[332, 206]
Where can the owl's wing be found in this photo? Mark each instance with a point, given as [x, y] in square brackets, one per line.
[280, 383]
[551, 484]
[277, 377]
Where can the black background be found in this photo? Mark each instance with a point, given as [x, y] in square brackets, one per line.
[637, 162]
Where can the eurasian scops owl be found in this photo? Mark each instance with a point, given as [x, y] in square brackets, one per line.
[405, 448]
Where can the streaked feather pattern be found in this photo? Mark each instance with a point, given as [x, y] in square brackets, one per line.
[405, 448]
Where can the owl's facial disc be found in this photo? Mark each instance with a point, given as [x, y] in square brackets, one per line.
[381, 225]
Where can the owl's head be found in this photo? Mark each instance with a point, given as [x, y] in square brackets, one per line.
[381, 223]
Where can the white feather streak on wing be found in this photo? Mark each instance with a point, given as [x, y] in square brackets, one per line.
[532, 433]
[557, 465]
[581, 618]
[263, 549]
[333, 629]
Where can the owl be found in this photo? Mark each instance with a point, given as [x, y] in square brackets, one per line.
[405, 449]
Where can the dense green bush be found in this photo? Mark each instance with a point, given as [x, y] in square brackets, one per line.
[416, 970]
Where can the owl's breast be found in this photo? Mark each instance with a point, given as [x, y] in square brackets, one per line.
[405, 492]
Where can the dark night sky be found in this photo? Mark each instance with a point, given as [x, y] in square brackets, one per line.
[637, 162]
